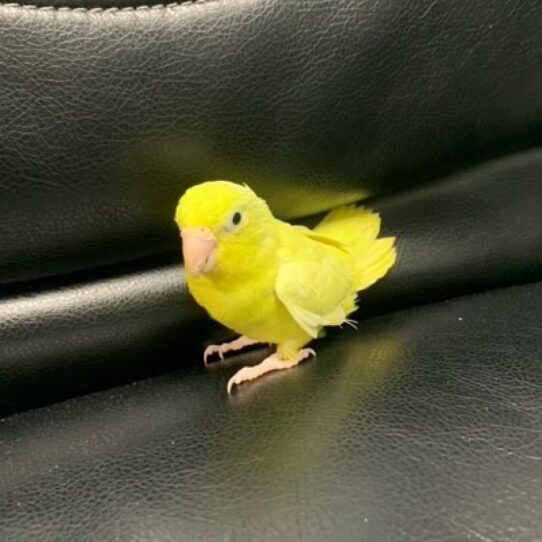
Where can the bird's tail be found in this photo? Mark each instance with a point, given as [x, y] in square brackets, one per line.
[357, 228]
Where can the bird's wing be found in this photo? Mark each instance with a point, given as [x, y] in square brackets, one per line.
[313, 292]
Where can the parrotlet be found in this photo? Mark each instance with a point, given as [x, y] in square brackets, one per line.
[270, 281]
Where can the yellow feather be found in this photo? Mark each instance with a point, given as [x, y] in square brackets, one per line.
[358, 228]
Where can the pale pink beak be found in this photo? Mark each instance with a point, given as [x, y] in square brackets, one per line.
[199, 250]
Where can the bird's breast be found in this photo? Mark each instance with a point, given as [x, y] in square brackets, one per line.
[250, 308]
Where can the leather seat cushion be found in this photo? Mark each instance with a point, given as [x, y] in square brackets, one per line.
[422, 425]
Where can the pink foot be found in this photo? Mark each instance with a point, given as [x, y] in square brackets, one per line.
[271, 363]
[232, 346]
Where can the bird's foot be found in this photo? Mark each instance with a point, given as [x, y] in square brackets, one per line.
[232, 346]
[272, 363]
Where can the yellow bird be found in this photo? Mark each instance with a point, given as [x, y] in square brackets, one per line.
[270, 281]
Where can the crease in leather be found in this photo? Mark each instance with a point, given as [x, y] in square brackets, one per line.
[60, 343]
[91, 275]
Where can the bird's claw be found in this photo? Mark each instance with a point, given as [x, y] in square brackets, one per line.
[211, 350]
[232, 346]
[244, 375]
[239, 377]
[271, 363]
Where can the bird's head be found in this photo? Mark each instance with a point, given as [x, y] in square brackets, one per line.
[223, 225]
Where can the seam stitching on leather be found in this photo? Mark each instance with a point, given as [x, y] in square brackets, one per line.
[112, 9]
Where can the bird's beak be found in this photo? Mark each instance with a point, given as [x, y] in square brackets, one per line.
[199, 250]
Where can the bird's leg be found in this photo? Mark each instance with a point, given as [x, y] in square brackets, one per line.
[232, 346]
[272, 363]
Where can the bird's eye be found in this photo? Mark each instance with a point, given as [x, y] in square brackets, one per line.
[235, 219]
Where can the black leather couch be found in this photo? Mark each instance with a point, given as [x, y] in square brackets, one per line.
[423, 425]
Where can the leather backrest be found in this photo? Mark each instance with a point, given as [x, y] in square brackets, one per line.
[106, 115]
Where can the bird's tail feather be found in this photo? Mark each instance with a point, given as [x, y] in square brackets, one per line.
[357, 228]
